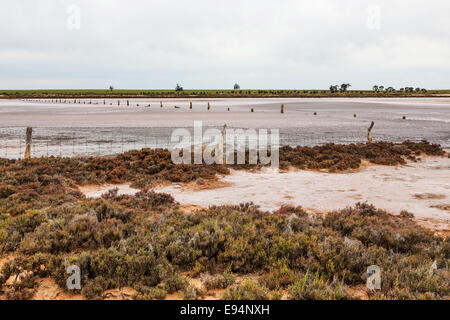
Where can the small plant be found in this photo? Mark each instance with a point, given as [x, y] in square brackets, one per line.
[406, 214]
[219, 281]
[248, 290]
[174, 281]
[317, 288]
[193, 293]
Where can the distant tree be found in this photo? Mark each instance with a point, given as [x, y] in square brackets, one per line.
[417, 89]
[376, 88]
[178, 88]
[236, 86]
[111, 88]
[381, 88]
[390, 89]
[344, 87]
[333, 89]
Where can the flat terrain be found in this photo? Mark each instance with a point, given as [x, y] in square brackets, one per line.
[94, 128]
[146, 245]
[422, 188]
[212, 93]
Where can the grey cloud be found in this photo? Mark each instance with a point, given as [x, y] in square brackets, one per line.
[212, 44]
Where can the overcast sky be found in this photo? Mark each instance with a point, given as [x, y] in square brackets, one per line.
[213, 44]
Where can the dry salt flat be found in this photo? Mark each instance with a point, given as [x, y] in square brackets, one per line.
[422, 188]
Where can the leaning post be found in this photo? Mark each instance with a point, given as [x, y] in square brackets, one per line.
[369, 132]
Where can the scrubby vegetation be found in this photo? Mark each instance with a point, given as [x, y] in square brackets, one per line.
[148, 243]
[343, 157]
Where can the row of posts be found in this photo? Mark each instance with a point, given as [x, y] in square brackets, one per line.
[29, 138]
[190, 106]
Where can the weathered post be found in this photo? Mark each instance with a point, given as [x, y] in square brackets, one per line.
[252, 110]
[222, 144]
[118, 102]
[104, 101]
[161, 104]
[282, 108]
[369, 132]
[209, 106]
[128, 103]
[190, 105]
[28, 143]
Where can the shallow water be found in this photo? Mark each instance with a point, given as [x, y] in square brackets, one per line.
[70, 129]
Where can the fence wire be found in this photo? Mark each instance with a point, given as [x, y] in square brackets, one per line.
[84, 142]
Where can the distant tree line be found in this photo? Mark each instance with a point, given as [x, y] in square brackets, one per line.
[377, 88]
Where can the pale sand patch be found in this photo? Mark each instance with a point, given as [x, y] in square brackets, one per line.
[95, 191]
[392, 188]
[4, 259]
[358, 292]
[189, 209]
[48, 290]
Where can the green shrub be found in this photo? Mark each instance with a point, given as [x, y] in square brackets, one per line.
[248, 290]
[316, 288]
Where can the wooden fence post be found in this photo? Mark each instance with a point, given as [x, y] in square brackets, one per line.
[28, 143]
[369, 132]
